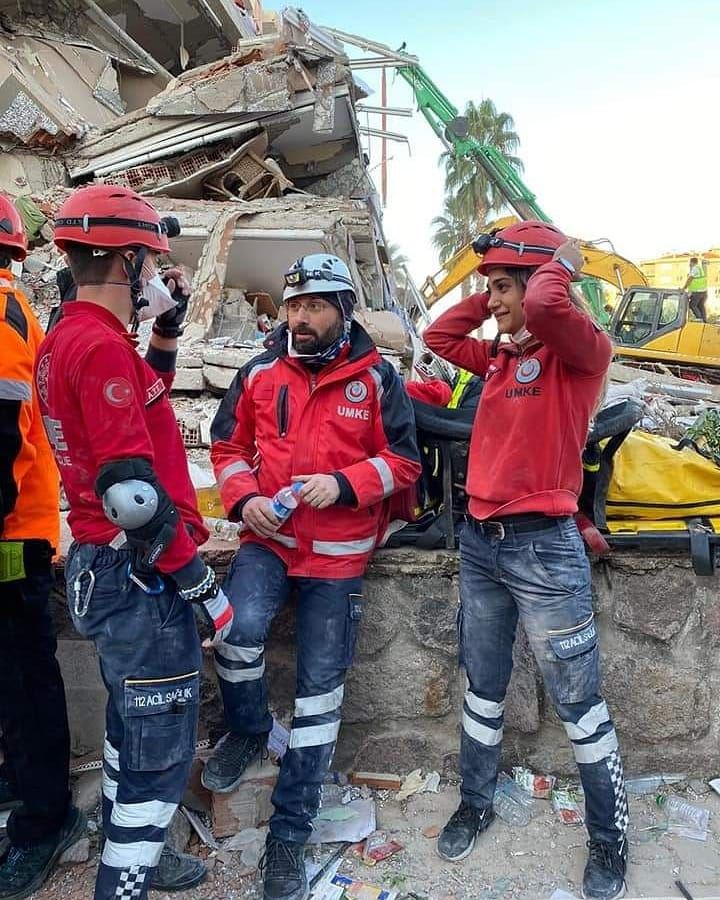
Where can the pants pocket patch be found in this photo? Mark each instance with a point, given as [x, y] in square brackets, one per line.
[578, 667]
[161, 721]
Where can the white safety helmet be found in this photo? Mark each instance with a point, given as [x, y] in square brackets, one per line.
[319, 273]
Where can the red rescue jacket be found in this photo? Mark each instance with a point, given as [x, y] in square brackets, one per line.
[353, 417]
[532, 422]
[102, 402]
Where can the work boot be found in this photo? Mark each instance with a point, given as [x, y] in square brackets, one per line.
[8, 795]
[232, 755]
[604, 877]
[25, 869]
[457, 838]
[177, 871]
[283, 868]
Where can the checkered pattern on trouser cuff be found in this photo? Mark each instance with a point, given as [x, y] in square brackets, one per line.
[617, 777]
[131, 883]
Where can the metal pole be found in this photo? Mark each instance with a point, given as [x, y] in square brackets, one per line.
[383, 126]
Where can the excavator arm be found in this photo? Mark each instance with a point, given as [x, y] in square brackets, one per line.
[603, 264]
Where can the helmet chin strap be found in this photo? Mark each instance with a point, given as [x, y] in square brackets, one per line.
[133, 270]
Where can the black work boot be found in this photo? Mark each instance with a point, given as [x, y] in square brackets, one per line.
[177, 871]
[232, 755]
[25, 869]
[8, 795]
[457, 838]
[283, 868]
[604, 877]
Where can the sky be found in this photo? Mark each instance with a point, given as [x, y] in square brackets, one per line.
[616, 104]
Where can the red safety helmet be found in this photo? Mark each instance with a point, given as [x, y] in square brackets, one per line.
[12, 231]
[526, 244]
[108, 216]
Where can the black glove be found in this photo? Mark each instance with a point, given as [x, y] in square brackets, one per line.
[169, 324]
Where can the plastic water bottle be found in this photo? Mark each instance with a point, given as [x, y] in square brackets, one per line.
[509, 804]
[285, 502]
[685, 818]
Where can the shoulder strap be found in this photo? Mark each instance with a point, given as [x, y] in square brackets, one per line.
[604, 475]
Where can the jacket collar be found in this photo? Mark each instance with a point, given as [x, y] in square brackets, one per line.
[85, 308]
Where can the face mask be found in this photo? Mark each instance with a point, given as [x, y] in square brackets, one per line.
[159, 299]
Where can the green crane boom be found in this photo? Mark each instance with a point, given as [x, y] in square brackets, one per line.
[452, 129]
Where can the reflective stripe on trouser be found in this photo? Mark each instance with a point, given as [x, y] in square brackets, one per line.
[543, 579]
[327, 618]
[149, 657]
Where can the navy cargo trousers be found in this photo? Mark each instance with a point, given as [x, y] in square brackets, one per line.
[328, 615]
[149, 653]
[541, 576]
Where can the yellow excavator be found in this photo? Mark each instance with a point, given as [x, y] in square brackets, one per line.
[653, 328]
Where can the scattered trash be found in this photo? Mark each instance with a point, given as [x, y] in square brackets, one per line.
[565, 806]
[377, 847]
[685, 819]
[431, 831]
[539, 786]
[335, 813]
[320, 873]
[223, 530]
[360, 890]
[356, 828]
[417, 783]
[202, 831]
[511, 803]
[380, 781]
[715, 785]
[278, 739]
[651, 784]
[249, 844]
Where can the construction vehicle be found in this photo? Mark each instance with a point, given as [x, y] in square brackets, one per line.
[452, 129]
[652, 328]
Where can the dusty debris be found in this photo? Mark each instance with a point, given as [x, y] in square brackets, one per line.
[383, 781]
[248, 806]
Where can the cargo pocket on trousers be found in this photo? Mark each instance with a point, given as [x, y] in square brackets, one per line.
[353, 623]
[161, 721]
[578, 662]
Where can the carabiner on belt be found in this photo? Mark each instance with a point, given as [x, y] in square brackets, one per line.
[82, 601]
[154, 584]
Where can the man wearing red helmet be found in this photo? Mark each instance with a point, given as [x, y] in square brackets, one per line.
[521, 555]
[133, 570]
[33, 717]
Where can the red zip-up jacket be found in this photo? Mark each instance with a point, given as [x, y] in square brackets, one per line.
[102, 402]
[351, 417]
[532, 422]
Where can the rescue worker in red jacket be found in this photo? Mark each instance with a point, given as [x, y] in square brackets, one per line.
[322, 409]
[133, 570]
[33, 716]
[521, 555]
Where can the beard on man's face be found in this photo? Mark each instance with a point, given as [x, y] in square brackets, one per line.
[307, 340]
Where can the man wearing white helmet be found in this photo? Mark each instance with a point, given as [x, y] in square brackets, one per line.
[322, 409]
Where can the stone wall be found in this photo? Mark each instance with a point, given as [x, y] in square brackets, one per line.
[659, 628]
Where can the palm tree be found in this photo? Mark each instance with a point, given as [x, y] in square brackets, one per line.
[470, 197]
[398, 263]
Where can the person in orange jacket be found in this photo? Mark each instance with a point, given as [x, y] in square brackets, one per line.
[33, 716]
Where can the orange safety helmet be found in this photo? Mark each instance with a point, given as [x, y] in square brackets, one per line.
[110, 217]
[12, 231]
[527, 244]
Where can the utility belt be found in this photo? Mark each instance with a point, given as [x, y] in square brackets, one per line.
[22, 559]
[522, 523]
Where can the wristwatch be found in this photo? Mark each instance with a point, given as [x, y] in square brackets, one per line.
[568, 265]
